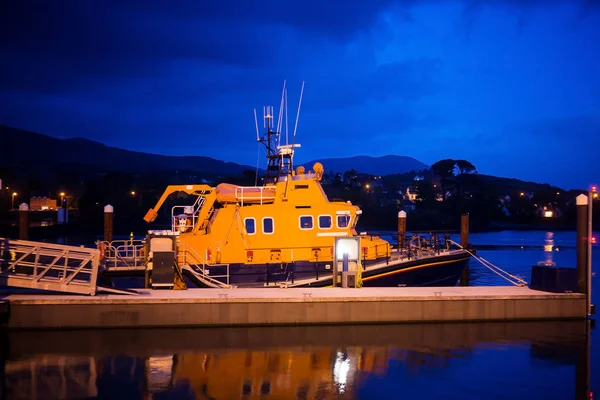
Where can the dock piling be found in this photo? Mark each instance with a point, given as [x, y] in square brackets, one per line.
[401, 229]
[582, 242]
[23, 221]
[108, 223]
[464, 242]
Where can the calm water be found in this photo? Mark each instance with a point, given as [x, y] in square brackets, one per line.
[533, 360]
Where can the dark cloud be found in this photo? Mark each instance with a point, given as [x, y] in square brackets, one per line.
[69, 45]
[66, 47]
[179, 77]
[401, 80]
[48, 45]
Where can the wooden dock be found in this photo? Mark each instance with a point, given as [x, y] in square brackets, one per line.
[302, 306]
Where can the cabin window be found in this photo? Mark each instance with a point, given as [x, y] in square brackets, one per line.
[250, 225]
[247, 388]
[306, 222]
[265, 388]
[343, 221]
[324, 221]
[268, 226]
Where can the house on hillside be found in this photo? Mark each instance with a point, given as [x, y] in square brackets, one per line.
[410, 194]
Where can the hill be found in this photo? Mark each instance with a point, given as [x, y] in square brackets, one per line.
[47, 152]
[513, 185]
[384, 165]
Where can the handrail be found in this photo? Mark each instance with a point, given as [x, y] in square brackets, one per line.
[119, 252]
[36, 265]
[251, 190]
[201, 265]
[196, 207]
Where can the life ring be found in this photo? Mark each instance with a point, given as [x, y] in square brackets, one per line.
[101, 248]
[142, 252]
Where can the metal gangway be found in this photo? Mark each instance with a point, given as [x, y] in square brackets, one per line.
[52, 267]
[123, 257]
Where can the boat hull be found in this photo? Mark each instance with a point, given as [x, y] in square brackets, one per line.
[440, 270]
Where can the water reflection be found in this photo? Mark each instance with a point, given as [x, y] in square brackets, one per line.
[548, 248]
[280, 363]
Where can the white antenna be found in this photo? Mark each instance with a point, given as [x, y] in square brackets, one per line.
[298, 114]
[280, 118]
[268, 114]
[286, 119]
[256, 123]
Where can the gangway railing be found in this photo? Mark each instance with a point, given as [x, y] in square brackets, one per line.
[193, 262]
[45, 266]
[122, 255]
[64, 376]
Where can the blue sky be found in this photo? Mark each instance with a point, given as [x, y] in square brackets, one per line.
[512, 86]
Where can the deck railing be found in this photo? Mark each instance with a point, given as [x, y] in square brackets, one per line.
[123, 254]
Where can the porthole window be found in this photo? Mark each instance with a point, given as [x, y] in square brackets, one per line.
[268, 226]
[306, 222]
[250, 225]
[324, 221]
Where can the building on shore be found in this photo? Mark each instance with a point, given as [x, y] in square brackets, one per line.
[42, 204]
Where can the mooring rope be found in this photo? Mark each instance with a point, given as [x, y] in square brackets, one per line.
[495, 269]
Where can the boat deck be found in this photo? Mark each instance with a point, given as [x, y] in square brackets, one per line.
[297, 306]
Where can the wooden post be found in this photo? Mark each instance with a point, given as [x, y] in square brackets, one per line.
[464, 230]
[108, 223]
[401, 230]
[464, 242]
[23, 221]
[582, 242]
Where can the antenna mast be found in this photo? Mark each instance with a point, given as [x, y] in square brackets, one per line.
[279, 156]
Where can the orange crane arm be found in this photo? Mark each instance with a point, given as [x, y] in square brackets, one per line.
[189, 189]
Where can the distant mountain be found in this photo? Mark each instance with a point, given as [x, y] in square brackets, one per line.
[27, 150]
[384, 165]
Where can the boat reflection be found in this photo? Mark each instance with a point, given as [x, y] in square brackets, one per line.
[257, 363]
[320, 373]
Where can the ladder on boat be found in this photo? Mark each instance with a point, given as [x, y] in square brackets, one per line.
[50, 267]
[195, 273]
[196, 268]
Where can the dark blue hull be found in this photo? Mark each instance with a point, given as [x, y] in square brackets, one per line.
[442, 270]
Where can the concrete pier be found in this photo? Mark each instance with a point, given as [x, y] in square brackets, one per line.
[248, 307]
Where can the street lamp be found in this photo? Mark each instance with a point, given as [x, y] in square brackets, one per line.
[13, 199]
[62, 197]
[133, 193]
